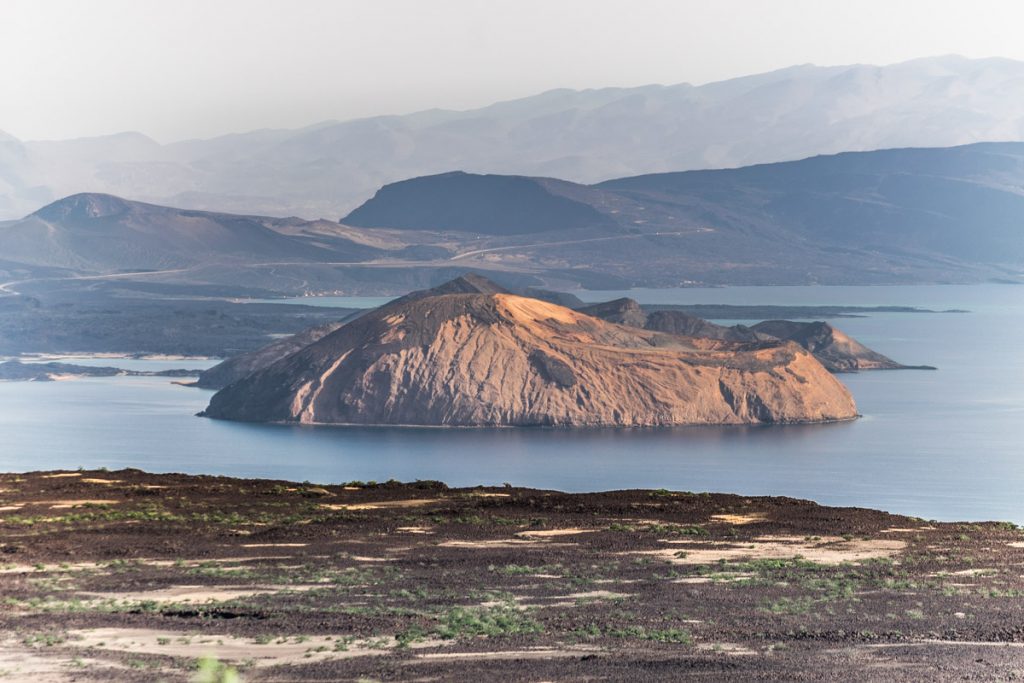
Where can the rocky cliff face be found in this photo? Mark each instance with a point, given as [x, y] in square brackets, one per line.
[498, 359]
[835, 350]
[237, 367]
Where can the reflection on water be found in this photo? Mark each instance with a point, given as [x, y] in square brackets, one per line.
[944, 445]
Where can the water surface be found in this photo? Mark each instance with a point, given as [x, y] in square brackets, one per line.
[943, 445]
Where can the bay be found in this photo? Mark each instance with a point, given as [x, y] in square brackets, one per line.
[945, 444]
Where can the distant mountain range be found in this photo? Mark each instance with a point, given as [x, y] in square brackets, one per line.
[884, 217]
[328, 169]
[904, 215]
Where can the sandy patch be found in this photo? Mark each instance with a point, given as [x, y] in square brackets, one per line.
[274, 545]
[953, 643]
[106, 482]
[11, 508]
[570, 600]
[503, 543]
[595, 595]
[1016, 544]
[67, 504]
[231, 560]
[64, 567]
[415, 530]
[727, 648]
[824, 550]
[488, 494]
[906, 530]
[740, 520]
[381, 505]
[79, 566]
[197, 594]
[548, 533]
[294, 649]
[22, 664]
[62, 475]
[529, 653]
[981, 571]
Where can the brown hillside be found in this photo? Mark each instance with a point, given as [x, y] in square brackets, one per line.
[500, 359]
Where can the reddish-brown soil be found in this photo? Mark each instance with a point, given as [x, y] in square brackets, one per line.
[128, 576]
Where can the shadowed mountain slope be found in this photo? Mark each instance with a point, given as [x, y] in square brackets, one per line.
[963, 203]
[886, 217]
[890, 216]
[96, 232]
[585, 136]
[834, 349]
[489, 204]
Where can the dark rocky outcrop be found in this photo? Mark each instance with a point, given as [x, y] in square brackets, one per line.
[623, 311]
[677, 322]
[835, 350]
[487, 204]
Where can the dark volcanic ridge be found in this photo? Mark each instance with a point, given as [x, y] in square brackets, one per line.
[897, 216]
[834, 349]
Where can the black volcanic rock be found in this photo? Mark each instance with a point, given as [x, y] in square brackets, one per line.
[561, 298]
[624, 311]
[677, 322]
[836, 350]
[487, 204]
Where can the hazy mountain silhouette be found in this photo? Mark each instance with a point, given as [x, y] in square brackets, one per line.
[936, 215]
[585, 136]
[102, 233]
[891, 216]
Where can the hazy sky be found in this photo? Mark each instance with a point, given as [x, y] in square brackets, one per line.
[175, 69]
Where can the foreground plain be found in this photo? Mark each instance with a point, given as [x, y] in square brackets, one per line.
[129, 576]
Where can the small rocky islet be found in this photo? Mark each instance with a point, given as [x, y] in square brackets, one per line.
[487, 358]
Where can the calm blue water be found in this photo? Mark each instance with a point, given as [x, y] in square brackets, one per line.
[145, 364]
[941, 445]
[338, 301]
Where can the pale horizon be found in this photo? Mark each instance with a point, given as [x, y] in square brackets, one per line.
[329, 121]
[190, 70]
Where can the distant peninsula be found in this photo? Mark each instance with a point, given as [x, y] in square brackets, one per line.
[16, 371]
